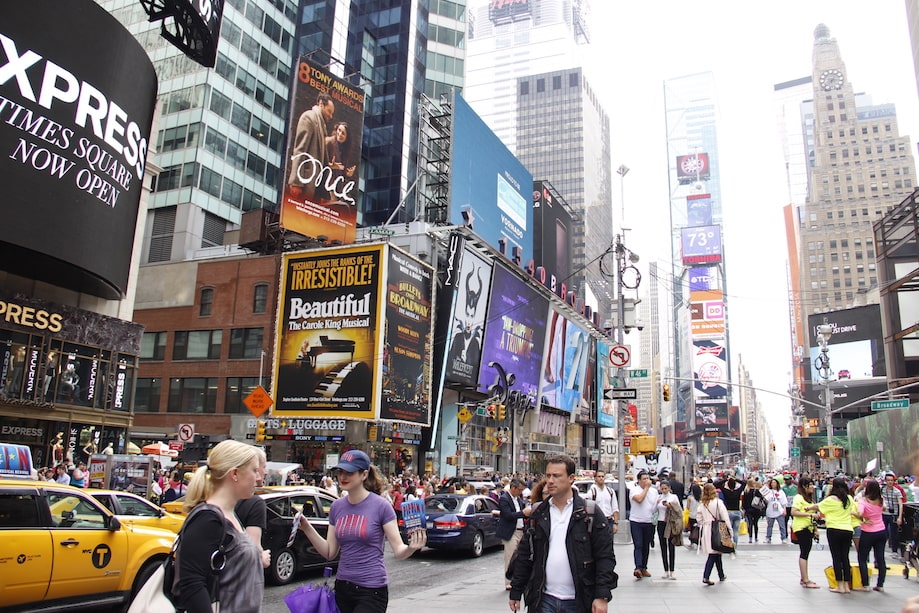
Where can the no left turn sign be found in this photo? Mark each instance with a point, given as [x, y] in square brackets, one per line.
[186, 432]
[620, 355]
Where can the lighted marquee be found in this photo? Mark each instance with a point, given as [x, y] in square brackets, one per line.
[701, 245]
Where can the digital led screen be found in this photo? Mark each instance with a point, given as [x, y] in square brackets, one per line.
[701, 245]
[514, 333]
[709, 362]
[552, 236]
[699, 210]
[692, 167]
[606, 374]
[490, 190]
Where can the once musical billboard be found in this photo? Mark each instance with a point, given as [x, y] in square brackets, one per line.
[514, 333]
[491, 192]
[407, 340]
[328, 352]
[323, 156]
[77, 94]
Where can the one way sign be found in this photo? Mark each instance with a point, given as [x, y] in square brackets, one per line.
[620, 393]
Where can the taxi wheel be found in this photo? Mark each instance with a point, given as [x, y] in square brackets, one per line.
[283, 567]
[143, 574]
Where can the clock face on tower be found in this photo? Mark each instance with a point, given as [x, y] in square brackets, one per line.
[831, 79]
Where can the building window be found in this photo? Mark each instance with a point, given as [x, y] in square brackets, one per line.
[260, 298]
[207, 301]
[153, 346]
[197, 345]
[540, 86]
[237, 390]
[246, 343]
[193, 395]
[147, 398]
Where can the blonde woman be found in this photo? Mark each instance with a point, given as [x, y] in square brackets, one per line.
[710, 509]
[212, 536]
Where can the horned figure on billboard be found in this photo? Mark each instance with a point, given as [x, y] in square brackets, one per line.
[467, 340]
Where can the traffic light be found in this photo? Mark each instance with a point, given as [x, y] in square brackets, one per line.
[666, 391]
[492, 410]
[260, 431]
[502, 412]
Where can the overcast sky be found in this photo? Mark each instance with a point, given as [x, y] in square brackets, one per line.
[749, 47]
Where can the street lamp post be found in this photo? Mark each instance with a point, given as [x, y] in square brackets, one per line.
[824, 332]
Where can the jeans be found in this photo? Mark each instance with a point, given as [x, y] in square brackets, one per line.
[893, 532]
[872, 541]
[551, 604]
[735, 516]
[641, 539]
[352, 598]
[668, 549]
[714, 559]
[839, 542]
[782, 529]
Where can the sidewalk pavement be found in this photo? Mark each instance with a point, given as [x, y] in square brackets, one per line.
[761, 578]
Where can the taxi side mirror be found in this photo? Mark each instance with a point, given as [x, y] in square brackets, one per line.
[114, 524]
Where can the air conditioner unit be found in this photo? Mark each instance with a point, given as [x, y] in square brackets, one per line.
[546, 447]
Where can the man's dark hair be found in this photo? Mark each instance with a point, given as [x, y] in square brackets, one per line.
[641, 474]
[563, 459]
[323, 98]
[516, 483]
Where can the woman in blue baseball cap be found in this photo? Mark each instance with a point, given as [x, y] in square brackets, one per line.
[358, 523]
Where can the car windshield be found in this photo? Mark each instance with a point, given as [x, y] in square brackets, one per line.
[442, 505]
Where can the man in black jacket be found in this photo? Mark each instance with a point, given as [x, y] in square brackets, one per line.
[511, 512]
[573, 569]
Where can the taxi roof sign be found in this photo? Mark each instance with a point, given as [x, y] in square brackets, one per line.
[16, 461]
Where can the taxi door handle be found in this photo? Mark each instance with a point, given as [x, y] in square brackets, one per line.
[70, 542]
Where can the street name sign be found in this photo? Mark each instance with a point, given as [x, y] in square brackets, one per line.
[883, 405]
[796, 452]
[638, 374]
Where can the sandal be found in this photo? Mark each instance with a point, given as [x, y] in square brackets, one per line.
[878, 588]
[810, 585]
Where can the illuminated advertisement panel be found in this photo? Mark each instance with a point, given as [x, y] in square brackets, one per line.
[712, 418]
[606, 375]
[407, 340]
[699, 210]
[692, 167]
[552, 236]
[514, 333]
[323, 156]
[703, 278]
[701, 245]
[328, 349]
[706, 311]
[709, 363]
[468, 329]
[77, 95]
[490, 190]
[565, 377]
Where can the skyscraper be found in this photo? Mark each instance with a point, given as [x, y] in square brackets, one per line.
[859, 167]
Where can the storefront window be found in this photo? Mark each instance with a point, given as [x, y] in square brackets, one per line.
[81, 375]
[19, 365]
[123, 387]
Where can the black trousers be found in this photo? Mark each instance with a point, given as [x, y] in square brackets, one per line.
[840, 541]
[668, 550]
[352, 598]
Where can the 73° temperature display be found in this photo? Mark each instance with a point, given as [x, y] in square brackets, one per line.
[701, 244]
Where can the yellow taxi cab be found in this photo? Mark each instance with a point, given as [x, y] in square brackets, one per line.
[60, 549]
[132, 509]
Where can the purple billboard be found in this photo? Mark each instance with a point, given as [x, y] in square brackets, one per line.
[514, 333]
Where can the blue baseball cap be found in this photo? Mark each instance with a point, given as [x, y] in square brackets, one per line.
[353, 461]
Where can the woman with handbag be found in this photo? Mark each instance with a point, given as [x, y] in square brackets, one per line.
[216, 560]
[711, 511]
[775, 510]
[359, 522]
[753, 505]
[839, 508]
[803, 526]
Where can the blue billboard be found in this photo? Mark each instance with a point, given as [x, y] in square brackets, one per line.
[565, 377]
[491, 192]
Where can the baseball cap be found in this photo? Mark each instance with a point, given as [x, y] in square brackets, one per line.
[353, 461]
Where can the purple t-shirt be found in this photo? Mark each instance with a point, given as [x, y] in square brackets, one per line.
[359, 530]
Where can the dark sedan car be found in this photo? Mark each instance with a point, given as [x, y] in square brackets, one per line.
[282, 505]
[457, 521]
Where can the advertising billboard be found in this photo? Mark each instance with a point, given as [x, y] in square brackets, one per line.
[692, 167]
[606, 376]
[700, 245]
[323, 155]
[706, 310]
[565, 376]
[856, 347]
[407, 340]
[77, 94]
[712, 418]
[709, 363]
[514, 333]
[552, 235]
[469, 310]
[490, 190]
[329, 347]
[703, 278]
[699, 210]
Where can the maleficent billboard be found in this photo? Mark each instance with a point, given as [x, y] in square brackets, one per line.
[77, 94]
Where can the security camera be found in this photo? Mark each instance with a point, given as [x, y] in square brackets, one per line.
[640, 327]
